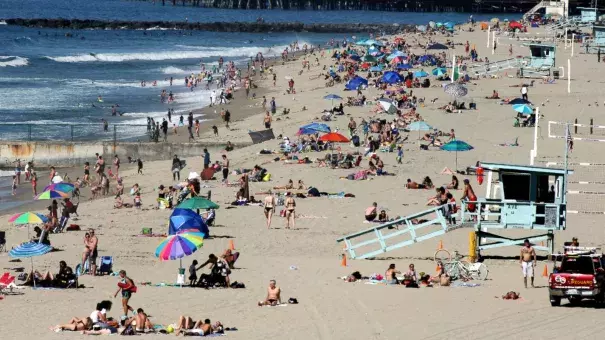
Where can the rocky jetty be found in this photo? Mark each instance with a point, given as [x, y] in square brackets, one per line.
[252, 27]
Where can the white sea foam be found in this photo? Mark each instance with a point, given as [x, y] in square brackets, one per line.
[13, 61]
[189, 52]
[175, 70]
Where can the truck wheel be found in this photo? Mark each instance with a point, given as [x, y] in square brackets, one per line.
[555, 301]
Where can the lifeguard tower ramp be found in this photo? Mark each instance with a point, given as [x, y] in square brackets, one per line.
[520, 198]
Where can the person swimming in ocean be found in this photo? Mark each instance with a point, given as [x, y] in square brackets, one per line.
[100, 99]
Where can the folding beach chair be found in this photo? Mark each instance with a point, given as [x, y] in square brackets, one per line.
[105, 265]
[7, 283]
[2, 241]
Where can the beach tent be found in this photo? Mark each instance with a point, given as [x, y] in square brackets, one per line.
[420, 74]
[437, 46]
[519, 101]
[391, 78]
[355, 83]
[183, 220]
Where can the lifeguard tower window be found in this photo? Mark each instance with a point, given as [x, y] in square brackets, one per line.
[516, 186]
[545, 191]
[538, 52]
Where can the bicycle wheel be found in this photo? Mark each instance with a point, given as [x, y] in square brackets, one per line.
[464, 269]
[481, 272]
[452, 270]
[442, 256]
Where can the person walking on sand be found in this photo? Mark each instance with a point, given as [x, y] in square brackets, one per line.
[116, 164]
[225, 166]
[269, 209]
[34, 182]
[525, 260]
[290, 211]
[273, 105]
[176, 168]
[206, 158]
[127, 287]
[510, 50]
[524, 92]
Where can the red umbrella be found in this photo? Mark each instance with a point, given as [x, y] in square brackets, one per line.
[515, 24]
[334, 137]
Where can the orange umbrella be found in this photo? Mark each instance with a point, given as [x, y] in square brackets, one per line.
[334, 137]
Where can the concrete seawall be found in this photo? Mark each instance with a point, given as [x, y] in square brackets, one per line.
[67, 154]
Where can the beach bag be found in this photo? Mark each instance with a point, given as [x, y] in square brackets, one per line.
[282, 213]
[355, 140]
[146, 231]
[267, 178]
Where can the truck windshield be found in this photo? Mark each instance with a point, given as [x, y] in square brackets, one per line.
[577, 265]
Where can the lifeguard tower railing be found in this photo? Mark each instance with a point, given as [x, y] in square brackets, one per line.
[596, 42]
[524, 198]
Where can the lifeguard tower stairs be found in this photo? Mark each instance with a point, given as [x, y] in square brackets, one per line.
[521, 197]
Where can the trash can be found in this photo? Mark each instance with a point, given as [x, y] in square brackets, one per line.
[555, 74]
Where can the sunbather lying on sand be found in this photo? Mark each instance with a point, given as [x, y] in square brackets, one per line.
[205, 328]
[288, 186]
[75, 324]
[185, 323]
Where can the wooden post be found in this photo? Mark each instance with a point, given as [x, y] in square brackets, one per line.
[575, 127]
[591, 124]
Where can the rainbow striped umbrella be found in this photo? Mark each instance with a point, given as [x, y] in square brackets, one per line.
[28, 218]
[179, 245]
[62, 186]
[51, 194]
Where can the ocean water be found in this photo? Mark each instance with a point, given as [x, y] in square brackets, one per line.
[49, 78]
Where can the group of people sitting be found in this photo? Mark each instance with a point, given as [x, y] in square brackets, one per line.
[220, 269]
[65, 278]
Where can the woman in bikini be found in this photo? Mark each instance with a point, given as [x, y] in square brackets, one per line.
[290, 210]
[75, 324]
[288, 186]
[86, 173]
[269, 209]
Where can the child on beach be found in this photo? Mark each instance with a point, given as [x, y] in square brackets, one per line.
[14, 186]
[399, 155]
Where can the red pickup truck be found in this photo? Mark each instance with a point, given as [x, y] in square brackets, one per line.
[580, 276]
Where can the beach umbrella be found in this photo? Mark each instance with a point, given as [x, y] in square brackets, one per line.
[196, 203]
[369, 58]
[439, 71]
[355, 83]
[179, 245]
[312, 128]
[28, 218]
[419, 126]
[30, 249]
[431, 24]
[51, 194]
[185, 220]
[455, 90]
[372, 42]
[62, 186]
[391, 77]
[455, 146]
[355, 57]
[519, 101]
[439, 24]
[332, 97]
[334, 137]
[421, 28]
[377, 68]
[388, 106]
[437, 46]
[420, 74]
[397, 60]
[523, 109]
[515, 25]
[396, 54]
[403, 66]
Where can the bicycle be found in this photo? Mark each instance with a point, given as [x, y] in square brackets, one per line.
[459, 267]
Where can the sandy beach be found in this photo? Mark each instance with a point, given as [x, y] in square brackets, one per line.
[306, 260]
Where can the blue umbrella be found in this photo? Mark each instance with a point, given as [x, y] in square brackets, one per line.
[355, 57]
[391, 77]
[355, 83]
[419, 126]
[395, 55]
[30, 249]
[420, 74]
[376, 68]
[372, 42]
[403, 66]
[437, 46]
[439, 71]
[331, 97]
[518, 101]
[455, 146]
[523, 109]
[312, 128]
[183, 220]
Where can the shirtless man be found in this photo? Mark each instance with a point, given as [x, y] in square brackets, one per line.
[525, 260]
[143, 323]
[413, 185]
[269, 209]
[290, 211]
[93, 243]
[371, 212]
[469, 195]
[267, 120]
[273, 295]
[391, 275]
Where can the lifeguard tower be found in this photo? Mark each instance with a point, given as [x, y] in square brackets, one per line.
[540, 62]
[597, 41]
[522, 197]
[588, 16]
